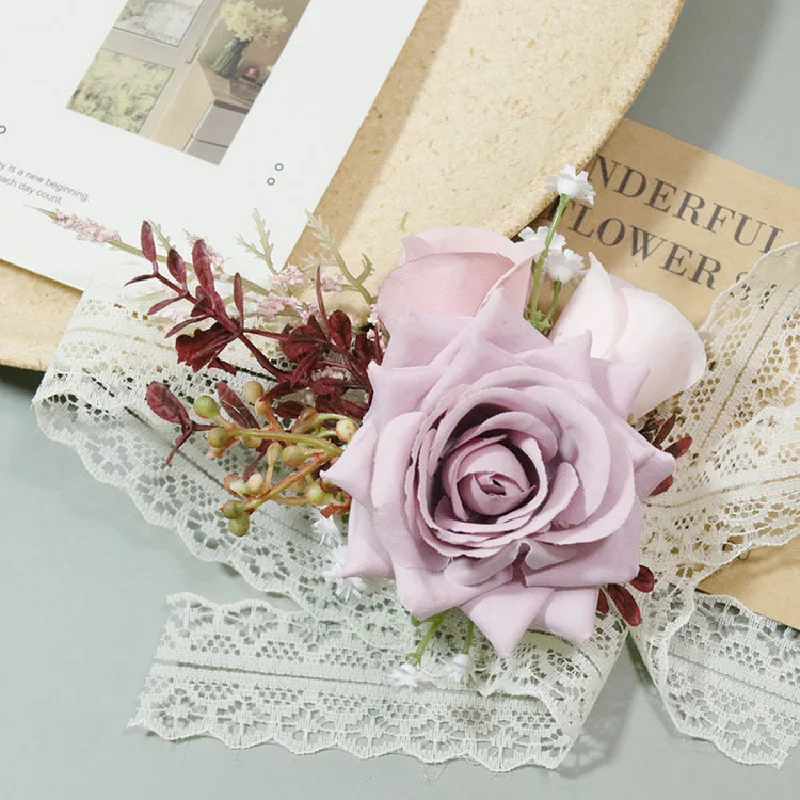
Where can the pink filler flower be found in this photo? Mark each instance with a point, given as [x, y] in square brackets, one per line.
[495, 471]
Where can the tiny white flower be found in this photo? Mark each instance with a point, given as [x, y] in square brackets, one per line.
[564, 266]
[349, 589]
[328, 529]
[407, 676]
[460, 668]
[568, 182]
[540, 235]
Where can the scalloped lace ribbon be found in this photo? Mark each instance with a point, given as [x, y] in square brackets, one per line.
[315, 677]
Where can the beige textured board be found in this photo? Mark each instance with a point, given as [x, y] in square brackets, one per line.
[486, 99]
[33, 314]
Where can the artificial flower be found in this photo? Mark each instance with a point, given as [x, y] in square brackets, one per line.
[630, 325]
[449, 272]
[574, 185]
[460, 668]
[407, 676]
[557, 241]
[495, 472]
[328, 529]
[563, 265]
[348, 588]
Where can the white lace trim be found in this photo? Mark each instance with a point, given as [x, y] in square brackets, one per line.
[739, 489]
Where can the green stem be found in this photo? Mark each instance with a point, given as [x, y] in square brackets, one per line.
[435, 622]
[469, 637]
[314, 442]
[533, 306]
[556, 292]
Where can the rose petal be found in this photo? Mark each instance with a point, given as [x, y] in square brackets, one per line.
[630, 325]
[570, 613]
[449, 285]
[614, 559]
[618, 384]
[426, 593]
[398, 537]
[417, 339]
[596, 306]
[366, 556]
[450, 271]
[658, 335]
[503, 615]
[349, 469]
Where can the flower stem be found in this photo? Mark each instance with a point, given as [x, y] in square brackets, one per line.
[314, 442]
[549, 318]
[435, 622]
[469, 637]
[533, 306]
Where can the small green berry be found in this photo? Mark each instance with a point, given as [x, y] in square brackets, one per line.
[315, 494]
[217, 438]
[206, 407]
[252, 391]
[232, 509]
[255, 483]
[251, 441]
[274, 453]
[293, 456]
[346, 429]
[240, 525]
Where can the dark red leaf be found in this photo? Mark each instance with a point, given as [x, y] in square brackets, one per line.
[235, 407]
[340, 330]
[163, 403]
[328, 386]
[177, 267]
[625, 603]
[149, 244]
[679, 448]
[363, 348]
[304, 340]
[663, 486]
[238, 297]
[201, 264]
[140, 278]
[645, 581]
[203, 347]
[335, 404]
[291, 409]
[180, 326]
[664, 431]
[218, 363]
[602, 602]
[304, 366]
[162, 305]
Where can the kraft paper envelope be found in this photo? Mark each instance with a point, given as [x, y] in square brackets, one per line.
[668, 217]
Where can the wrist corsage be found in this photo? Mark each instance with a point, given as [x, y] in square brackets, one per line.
[462, 437]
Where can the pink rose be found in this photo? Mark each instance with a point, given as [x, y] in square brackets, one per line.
[495, 471]
[449, 272]
[630, 325]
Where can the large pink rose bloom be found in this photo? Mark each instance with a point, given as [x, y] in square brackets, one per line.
[495, 471]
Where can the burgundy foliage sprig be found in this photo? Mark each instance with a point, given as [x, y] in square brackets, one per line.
[324, 355]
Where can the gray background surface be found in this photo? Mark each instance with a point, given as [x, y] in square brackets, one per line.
[84, 578]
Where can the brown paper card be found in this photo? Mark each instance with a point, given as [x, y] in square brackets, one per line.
[668, 217]
[681, 222]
